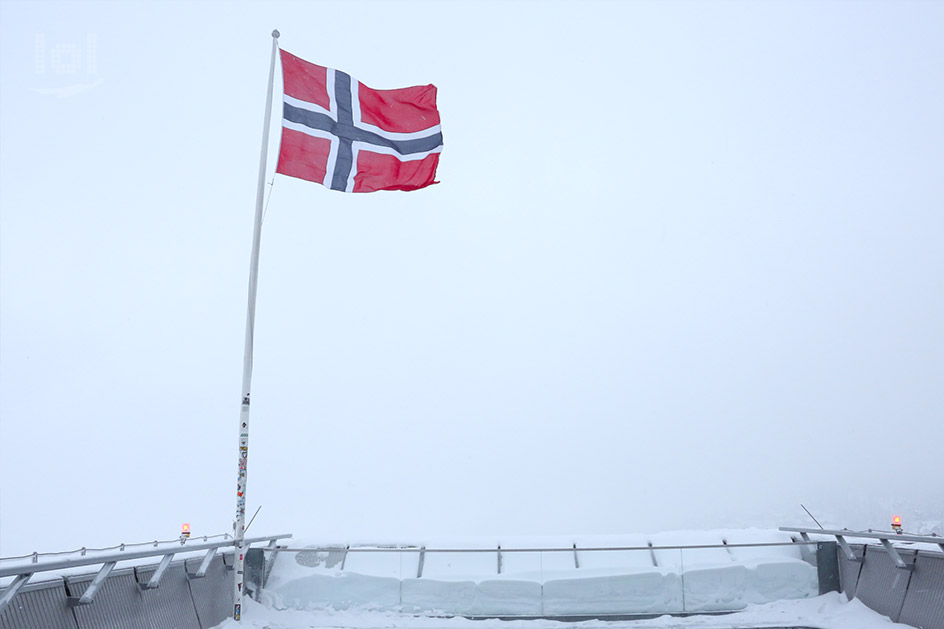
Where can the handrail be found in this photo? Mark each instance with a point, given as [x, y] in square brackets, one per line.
[890, 535]
[503, 549]
[76, 562]
[83, 550]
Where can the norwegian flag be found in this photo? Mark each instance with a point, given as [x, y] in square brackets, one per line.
[338, 132]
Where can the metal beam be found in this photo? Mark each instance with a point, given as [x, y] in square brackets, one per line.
[846, 549]
[94, 586]
[419, 566]
[13, 588]
[893, 553]
[423, 550]
[204, 565]
[155, 580]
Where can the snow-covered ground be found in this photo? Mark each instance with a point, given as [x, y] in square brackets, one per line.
[830, 611]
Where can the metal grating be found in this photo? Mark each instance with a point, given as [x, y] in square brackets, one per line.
[924, 602]
[849, 571]
[39, 605]
[117, 605]
[882, 586]
[170, 605]
[212, 594]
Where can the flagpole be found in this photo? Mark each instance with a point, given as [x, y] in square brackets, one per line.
[239, 525]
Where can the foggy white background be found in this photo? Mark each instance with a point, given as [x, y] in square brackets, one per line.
[684, 270]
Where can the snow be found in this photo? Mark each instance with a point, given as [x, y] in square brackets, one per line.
[830, 611]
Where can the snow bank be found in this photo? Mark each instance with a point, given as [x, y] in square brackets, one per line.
[584, 582]
[496, 597]
[643, 592]
[830, 611]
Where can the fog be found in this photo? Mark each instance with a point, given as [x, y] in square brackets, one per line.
[683, 270]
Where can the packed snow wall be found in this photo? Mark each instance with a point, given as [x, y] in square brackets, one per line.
[583, 580]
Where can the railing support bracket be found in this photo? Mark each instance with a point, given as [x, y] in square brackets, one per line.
[893, 553]
[204, 565]
[13, 588]
[89, 595]
[155, 580]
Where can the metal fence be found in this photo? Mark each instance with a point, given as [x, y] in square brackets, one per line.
[192, 592]
[894, 577]
[186, 584]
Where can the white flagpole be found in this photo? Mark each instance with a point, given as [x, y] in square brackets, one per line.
[239, 526]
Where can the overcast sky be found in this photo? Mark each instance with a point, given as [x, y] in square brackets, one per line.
[684, 269]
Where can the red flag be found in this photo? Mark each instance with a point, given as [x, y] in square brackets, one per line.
[340, 133]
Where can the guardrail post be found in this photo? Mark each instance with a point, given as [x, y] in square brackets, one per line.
[94, 586]
[13, 588]
[652, 555]
[255, 572]
[827, 567]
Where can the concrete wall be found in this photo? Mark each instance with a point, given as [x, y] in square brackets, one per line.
[180, 602]
[912, 597]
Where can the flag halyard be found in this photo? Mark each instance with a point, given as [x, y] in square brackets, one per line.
[340, 133]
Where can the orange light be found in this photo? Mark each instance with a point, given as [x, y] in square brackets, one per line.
[896, 519]
[185, 528]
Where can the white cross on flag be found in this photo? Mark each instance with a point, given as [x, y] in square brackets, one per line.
[340, 133]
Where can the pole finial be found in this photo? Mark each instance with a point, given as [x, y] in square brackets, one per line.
[275, 33]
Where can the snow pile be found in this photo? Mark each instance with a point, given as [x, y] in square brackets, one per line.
[581, 582]
[830, 611]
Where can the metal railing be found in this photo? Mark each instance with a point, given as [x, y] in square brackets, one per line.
[108, 560]
[568, 549]
[120, 547]
[547, 580]
[500, 550]
[885, 538]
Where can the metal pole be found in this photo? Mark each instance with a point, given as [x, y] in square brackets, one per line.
[239, 526]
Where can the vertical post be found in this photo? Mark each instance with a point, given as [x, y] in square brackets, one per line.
[239, 525]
